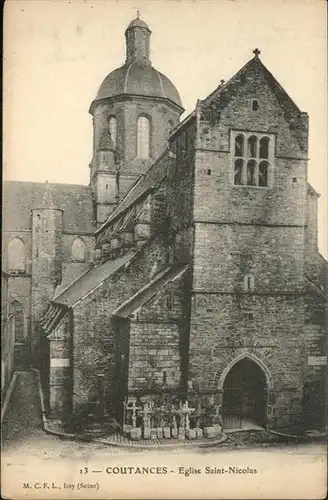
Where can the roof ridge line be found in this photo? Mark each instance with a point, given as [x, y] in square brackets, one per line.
[161, 83]
[126, 77]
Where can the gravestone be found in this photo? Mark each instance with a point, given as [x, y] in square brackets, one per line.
[199, 433]
[182, 433]
[166, 432]
[135, 433]
[191, 433]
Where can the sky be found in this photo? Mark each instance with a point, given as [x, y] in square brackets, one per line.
[57, 52]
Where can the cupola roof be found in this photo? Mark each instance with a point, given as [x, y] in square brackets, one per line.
[137, 76]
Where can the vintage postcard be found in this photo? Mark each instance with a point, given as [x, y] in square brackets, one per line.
[164, 272]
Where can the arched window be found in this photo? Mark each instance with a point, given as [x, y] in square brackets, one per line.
[251, 173]
[264, 147]
[143, 137]
[238, 177]
[112, 126]
[252, 146]
[239, 145]
[263, 173]
[250, 150]
[16, 255]
[78, 250]
[18, 321]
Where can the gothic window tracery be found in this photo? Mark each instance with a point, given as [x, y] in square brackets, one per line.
[252, 159]
[238, 177]
[239, 145]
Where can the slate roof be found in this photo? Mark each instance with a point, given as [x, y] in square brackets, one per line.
[146, 293]
[138, 23]
[153, 177]
[91, 279]
[224, 92]
[75, 200]
[138, 78]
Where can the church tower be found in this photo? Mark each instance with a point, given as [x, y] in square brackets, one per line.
[133, 113]
[47, 222]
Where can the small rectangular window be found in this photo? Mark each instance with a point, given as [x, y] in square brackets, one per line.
[169, 302]
[248, 282]
[255, 105]
[209, 171]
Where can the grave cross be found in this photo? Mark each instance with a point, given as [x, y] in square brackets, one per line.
[181, 413]
[131, 405]
[146, 412]
[187, 411]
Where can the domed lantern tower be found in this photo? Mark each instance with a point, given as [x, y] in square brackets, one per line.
[133, 113]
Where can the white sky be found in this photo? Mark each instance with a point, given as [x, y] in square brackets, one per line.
[58, 52]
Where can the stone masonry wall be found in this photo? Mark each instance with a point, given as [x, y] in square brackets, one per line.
[154, 359]
[250, 230]
[157, 340]
[94, 334]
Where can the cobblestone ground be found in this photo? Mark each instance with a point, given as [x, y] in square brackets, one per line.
[22, 432]
[22, 428]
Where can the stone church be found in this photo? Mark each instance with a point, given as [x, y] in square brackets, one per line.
[189, 265]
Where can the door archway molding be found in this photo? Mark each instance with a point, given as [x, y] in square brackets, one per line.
[240, 357]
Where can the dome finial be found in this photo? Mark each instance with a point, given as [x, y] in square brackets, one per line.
[137, 40]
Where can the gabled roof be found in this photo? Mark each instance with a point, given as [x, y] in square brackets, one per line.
[91, 279]
[254, 64]
[153, 177]
[146, 293]
[75, 201]
[224, 92]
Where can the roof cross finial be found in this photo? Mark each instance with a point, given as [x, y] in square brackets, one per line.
[138, 14]
[257, 52]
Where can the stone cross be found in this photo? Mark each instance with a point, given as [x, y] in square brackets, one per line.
[146, 412]
[131, 405]
[174, 419]
[162, 411]
[257, 52]
[187, 411]
[181, 414]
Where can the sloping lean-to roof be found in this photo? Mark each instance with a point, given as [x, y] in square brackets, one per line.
[146, 293]
[91, 279]
[150, 180]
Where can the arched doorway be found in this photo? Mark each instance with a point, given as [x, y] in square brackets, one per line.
[244, 395]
